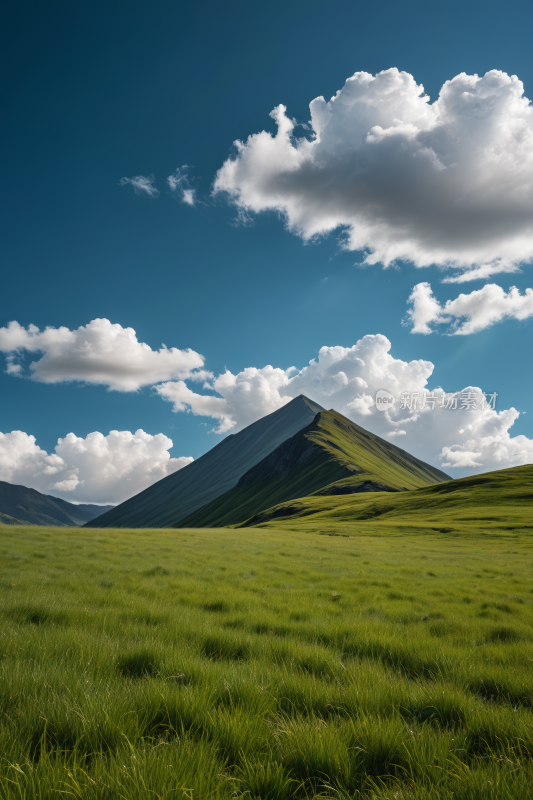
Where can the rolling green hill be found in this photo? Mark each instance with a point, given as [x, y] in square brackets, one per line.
[332, 456]
[500, 499]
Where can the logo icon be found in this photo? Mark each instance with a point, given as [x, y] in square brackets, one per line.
[384, 400]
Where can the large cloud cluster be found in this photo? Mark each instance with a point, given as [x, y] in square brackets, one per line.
[98, 353]
[462, 430]
[458, 430]
[448, 183]
[478, 310]
[97, 469]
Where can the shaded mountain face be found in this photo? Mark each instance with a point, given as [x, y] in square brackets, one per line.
[494, 501]
[22, 506]
[331, 456]
[178, 495]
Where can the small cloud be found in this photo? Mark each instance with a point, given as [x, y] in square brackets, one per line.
[179, 185]
[468, 313]
[141, 185]
[12, 366]
[243, 219]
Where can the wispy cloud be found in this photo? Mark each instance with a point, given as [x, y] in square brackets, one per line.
[141, 185]
[180, 186]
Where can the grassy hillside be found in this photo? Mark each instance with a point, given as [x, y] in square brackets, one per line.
[265, 664]
[173, 498]
[332, 455]
[501, 499]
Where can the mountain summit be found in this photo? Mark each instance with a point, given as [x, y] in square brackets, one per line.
[178, 495]
[298, 450]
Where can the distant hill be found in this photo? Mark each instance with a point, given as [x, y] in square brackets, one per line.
[332, 456]
[182, 493]
[84, 512]
[502, 499]
[22, 506]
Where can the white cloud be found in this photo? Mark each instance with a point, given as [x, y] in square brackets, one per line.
[242, 399]
[479, 309]
[346, 379]
[425, 309]
[98, 353]
[179, 185]
[97, 469]
[448, 183]
[457, 457]
[141, 185]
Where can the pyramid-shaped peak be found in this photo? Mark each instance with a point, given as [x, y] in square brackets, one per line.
[301, 398]
[178, 495]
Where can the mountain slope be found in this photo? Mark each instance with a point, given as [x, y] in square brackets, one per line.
[180, 494]
[22, 506]
[331, 456]
[499, 499]
[82, 512]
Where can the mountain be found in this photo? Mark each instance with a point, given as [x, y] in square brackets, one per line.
[500, 500]
[331, 456]
[82, 512]
[22, 506]
[178, 495]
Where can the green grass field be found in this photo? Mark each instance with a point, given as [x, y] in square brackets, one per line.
[277, 662]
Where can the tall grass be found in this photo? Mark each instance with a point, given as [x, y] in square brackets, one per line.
[265, 664]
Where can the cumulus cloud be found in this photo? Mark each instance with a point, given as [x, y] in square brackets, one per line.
[242, 399]
[99, 353]
[142, 185]
[425, 309]
[468, 313]
[461, 430]
[98, 469]
[179, 185]
[448, 183]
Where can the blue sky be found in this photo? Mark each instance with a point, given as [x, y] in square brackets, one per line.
[97, 92]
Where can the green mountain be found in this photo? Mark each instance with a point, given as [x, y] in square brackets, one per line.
[494, 500]
[22, 506]
[330, 457]
[182, 493]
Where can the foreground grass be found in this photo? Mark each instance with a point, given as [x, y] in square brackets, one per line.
[265, 662]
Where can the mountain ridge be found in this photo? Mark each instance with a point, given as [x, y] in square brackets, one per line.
[20, 505]
[331, 455]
